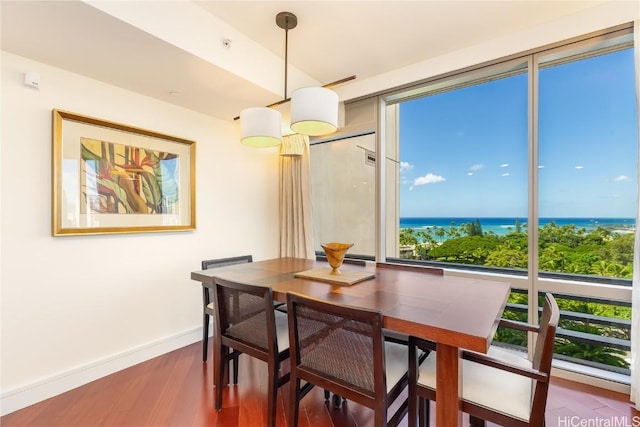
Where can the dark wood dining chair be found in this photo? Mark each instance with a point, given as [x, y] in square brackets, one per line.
[246, 322]
[501, 387]
[207, 303]
[342, 349]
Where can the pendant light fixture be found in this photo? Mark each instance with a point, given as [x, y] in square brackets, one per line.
[260, 127]
[314, 110]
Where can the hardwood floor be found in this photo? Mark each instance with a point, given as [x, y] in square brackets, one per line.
[176, 390]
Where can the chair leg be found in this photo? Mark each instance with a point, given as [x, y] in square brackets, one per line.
[205, 336]
[272, 396]
[476, 422]
[219, 363]
[380, 419]
[205, 322]
[423, 412]
[413, 406]
[235, 368]
[425, 407]
[327, 395]
[294, 400]
[337, 401]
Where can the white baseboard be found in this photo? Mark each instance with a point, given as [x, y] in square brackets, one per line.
[591, 376]
[24, 396]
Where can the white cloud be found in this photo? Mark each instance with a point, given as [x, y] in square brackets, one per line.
[405, 167]
[540, 166]
[476, 167]
[504, 165]
[505, 174]
[579, 167]
[427, 179]
[621, 178]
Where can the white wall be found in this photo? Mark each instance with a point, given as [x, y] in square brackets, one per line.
[79, 307]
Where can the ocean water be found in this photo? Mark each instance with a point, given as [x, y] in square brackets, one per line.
[502, 226]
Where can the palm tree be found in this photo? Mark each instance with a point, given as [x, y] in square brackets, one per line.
[601, 268]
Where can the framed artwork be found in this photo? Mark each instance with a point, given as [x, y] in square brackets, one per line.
[113, 178]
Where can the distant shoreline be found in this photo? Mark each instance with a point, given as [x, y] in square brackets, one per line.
[504, 225]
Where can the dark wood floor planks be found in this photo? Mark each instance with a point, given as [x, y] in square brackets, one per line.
[176, 390]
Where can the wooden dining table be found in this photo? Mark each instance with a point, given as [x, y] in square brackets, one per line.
[454, 312]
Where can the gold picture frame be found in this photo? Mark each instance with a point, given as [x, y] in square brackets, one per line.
[112, 178]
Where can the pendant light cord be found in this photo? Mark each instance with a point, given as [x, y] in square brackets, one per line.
[288, 21]
[286, 56]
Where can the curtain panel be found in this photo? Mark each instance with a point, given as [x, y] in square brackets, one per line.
[296, 221]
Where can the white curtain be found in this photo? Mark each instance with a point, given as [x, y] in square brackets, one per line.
[296, 222]
[635, 298]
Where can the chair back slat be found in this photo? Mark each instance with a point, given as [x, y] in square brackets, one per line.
[411, 267]
[223, 262]
[208, 264]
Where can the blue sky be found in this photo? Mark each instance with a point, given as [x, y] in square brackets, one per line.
[464, 152]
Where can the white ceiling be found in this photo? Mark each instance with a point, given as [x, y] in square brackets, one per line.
[155, 48]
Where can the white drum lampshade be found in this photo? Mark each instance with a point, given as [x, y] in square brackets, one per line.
[260, 127]
[314, 111]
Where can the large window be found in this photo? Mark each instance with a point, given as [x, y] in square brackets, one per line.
[527, 170]
[464, 165]
[463, 173]
[587, 198]
[523, 170]
[588, 146]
